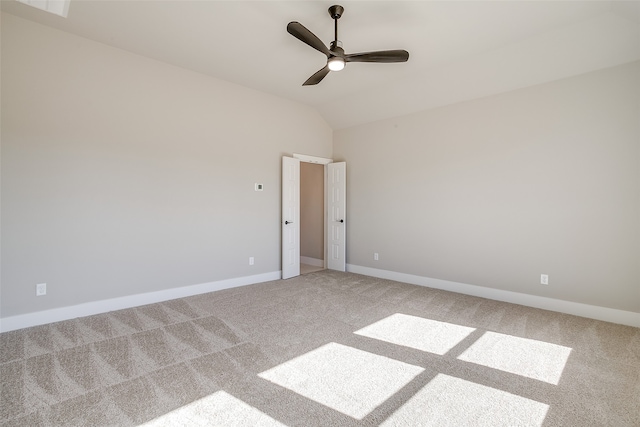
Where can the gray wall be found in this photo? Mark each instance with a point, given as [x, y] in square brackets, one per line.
[123, 175]
[312, 210]
[496, 191]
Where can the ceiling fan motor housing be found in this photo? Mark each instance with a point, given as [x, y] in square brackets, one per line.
[336, 48]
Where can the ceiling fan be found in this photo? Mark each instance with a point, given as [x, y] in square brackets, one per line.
[336, 58]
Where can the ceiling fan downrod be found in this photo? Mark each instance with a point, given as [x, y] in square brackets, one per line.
[336, 12]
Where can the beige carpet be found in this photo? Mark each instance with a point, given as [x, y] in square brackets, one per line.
[306, 268]
[324, 349]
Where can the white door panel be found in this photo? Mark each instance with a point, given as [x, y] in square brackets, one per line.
[290, 217]
[336, 174]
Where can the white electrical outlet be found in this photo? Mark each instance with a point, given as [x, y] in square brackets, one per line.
[41, 289]
[251, 260]
[544, 279]
[375, 256]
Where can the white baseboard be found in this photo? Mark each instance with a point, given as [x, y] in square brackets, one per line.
[96, 307]
[312, 261]
[584, 310]
[103, 306]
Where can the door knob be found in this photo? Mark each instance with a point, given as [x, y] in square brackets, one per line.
[342, 220]
[288, 222]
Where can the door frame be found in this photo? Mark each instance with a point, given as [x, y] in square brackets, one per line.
[321, 161]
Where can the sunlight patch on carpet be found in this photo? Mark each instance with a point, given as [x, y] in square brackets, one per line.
[416, 332]
[529, 358]
[343, 378]
[450, 401]
[217, 409]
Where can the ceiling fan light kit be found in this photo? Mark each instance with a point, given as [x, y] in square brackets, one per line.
[335, 63]
[336, 58]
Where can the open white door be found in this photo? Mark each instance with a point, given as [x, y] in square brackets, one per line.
[337, 215]
[290, 217]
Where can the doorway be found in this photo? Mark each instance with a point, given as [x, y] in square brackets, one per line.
[311, 217]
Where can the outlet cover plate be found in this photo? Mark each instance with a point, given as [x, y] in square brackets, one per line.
[41, 289]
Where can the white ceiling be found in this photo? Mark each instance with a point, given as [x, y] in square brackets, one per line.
[459, 50]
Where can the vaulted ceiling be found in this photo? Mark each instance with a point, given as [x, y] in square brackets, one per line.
[459, 50]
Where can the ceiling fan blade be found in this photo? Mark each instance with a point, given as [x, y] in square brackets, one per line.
[317, 77]
[386, 56]
[299, 31]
